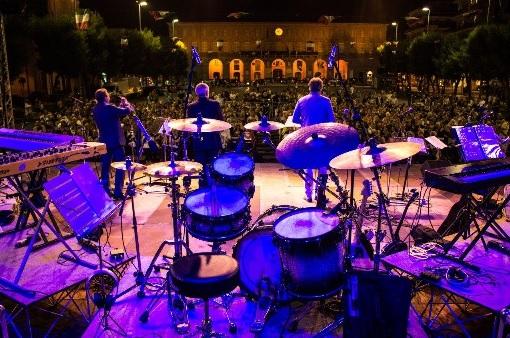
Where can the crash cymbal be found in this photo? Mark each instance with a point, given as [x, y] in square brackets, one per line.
[314, 146]
[383, 154]
[164, 170]
[134, 166]
[264, 126]
[192, 125]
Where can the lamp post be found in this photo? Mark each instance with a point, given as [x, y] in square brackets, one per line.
[140, 5]
[395, 24]
[174, 21]
[426, 9]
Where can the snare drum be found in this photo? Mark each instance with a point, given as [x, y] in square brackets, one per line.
[216, 213]
[235, 169]
[311, 251]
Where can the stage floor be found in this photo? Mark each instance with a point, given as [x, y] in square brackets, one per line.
[274, 186]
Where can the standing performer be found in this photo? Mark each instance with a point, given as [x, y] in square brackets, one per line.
[206, 146]
[107, 118]
[312, 109]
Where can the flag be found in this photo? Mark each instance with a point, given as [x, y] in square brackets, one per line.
[159, 15]
[237, 15]
[326, 19]
[82, 19]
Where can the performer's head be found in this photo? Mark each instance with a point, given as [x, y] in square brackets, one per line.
[202, 90]
[102, 95]
[315, 84]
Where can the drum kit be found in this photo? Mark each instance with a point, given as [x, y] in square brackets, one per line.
[301, 253]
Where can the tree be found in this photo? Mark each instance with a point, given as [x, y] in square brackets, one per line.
[20, 48]
[421, 52]
[60, 48]
[451, 61]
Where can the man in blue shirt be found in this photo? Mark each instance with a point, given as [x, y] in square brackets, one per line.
[312, 109]
[107, 118]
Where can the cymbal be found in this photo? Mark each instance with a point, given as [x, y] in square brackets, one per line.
[164, 170]
[384, 154]
[264, 126]
[314, 146]
[134, 166]
[191, 125]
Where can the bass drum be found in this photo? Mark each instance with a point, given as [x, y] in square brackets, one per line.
[235, 169]
[311, 252]
[216, 213]
[260, 267]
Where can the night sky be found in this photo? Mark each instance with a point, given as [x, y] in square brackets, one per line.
[124, 13]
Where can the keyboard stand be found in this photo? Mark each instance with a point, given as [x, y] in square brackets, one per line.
[479, 209]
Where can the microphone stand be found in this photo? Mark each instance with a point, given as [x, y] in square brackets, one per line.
[195, 60]
[359, 124]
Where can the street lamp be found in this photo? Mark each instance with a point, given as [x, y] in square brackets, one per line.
[396, 30]
[140, 5]
[174, 21]
[426, 9]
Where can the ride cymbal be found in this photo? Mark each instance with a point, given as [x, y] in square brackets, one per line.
[264, 126]
[165, 170]
[194, 125]
[367, 157]
[122, 166]
[315, 146]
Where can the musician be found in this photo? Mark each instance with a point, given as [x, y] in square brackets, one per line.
[312, 109]
[206, 146]
[107, 118]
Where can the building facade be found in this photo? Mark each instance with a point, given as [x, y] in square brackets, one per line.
[247, 51]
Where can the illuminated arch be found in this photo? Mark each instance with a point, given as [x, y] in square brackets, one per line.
[237, 70]
[343, 66]
[299, 69]
[320, 68]
[215, 69]
[257, 69]
[278, 68]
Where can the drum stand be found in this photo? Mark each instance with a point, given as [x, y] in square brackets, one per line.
[140, 279]
[178, 243]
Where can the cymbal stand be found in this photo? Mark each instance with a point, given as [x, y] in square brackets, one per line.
[140, 279]
[178, 244]
[357, 121]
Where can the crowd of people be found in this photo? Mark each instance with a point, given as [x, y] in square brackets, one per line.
[386, 115]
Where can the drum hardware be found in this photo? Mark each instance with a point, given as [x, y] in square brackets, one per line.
[397, 244]
[131, 168]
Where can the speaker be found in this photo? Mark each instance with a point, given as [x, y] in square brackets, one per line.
[376, 305]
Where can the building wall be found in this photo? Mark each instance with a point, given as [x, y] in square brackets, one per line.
[62, 7]
[308, 42]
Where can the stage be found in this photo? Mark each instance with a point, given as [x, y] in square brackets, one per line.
[279, 190]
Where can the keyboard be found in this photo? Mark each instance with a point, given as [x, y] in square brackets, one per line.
[469, 177]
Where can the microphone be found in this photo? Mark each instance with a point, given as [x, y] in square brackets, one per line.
[332, 56]
[195, 55]
[152, 144]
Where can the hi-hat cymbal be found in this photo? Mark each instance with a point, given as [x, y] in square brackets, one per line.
[264, 126]
[314, 146]
[383, 154]
[165, 170]
[192, 125]
[134, 166]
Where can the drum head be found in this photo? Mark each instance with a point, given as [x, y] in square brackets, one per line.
[303, 224]
[216, 201]
[260, 269]
[233, 164]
